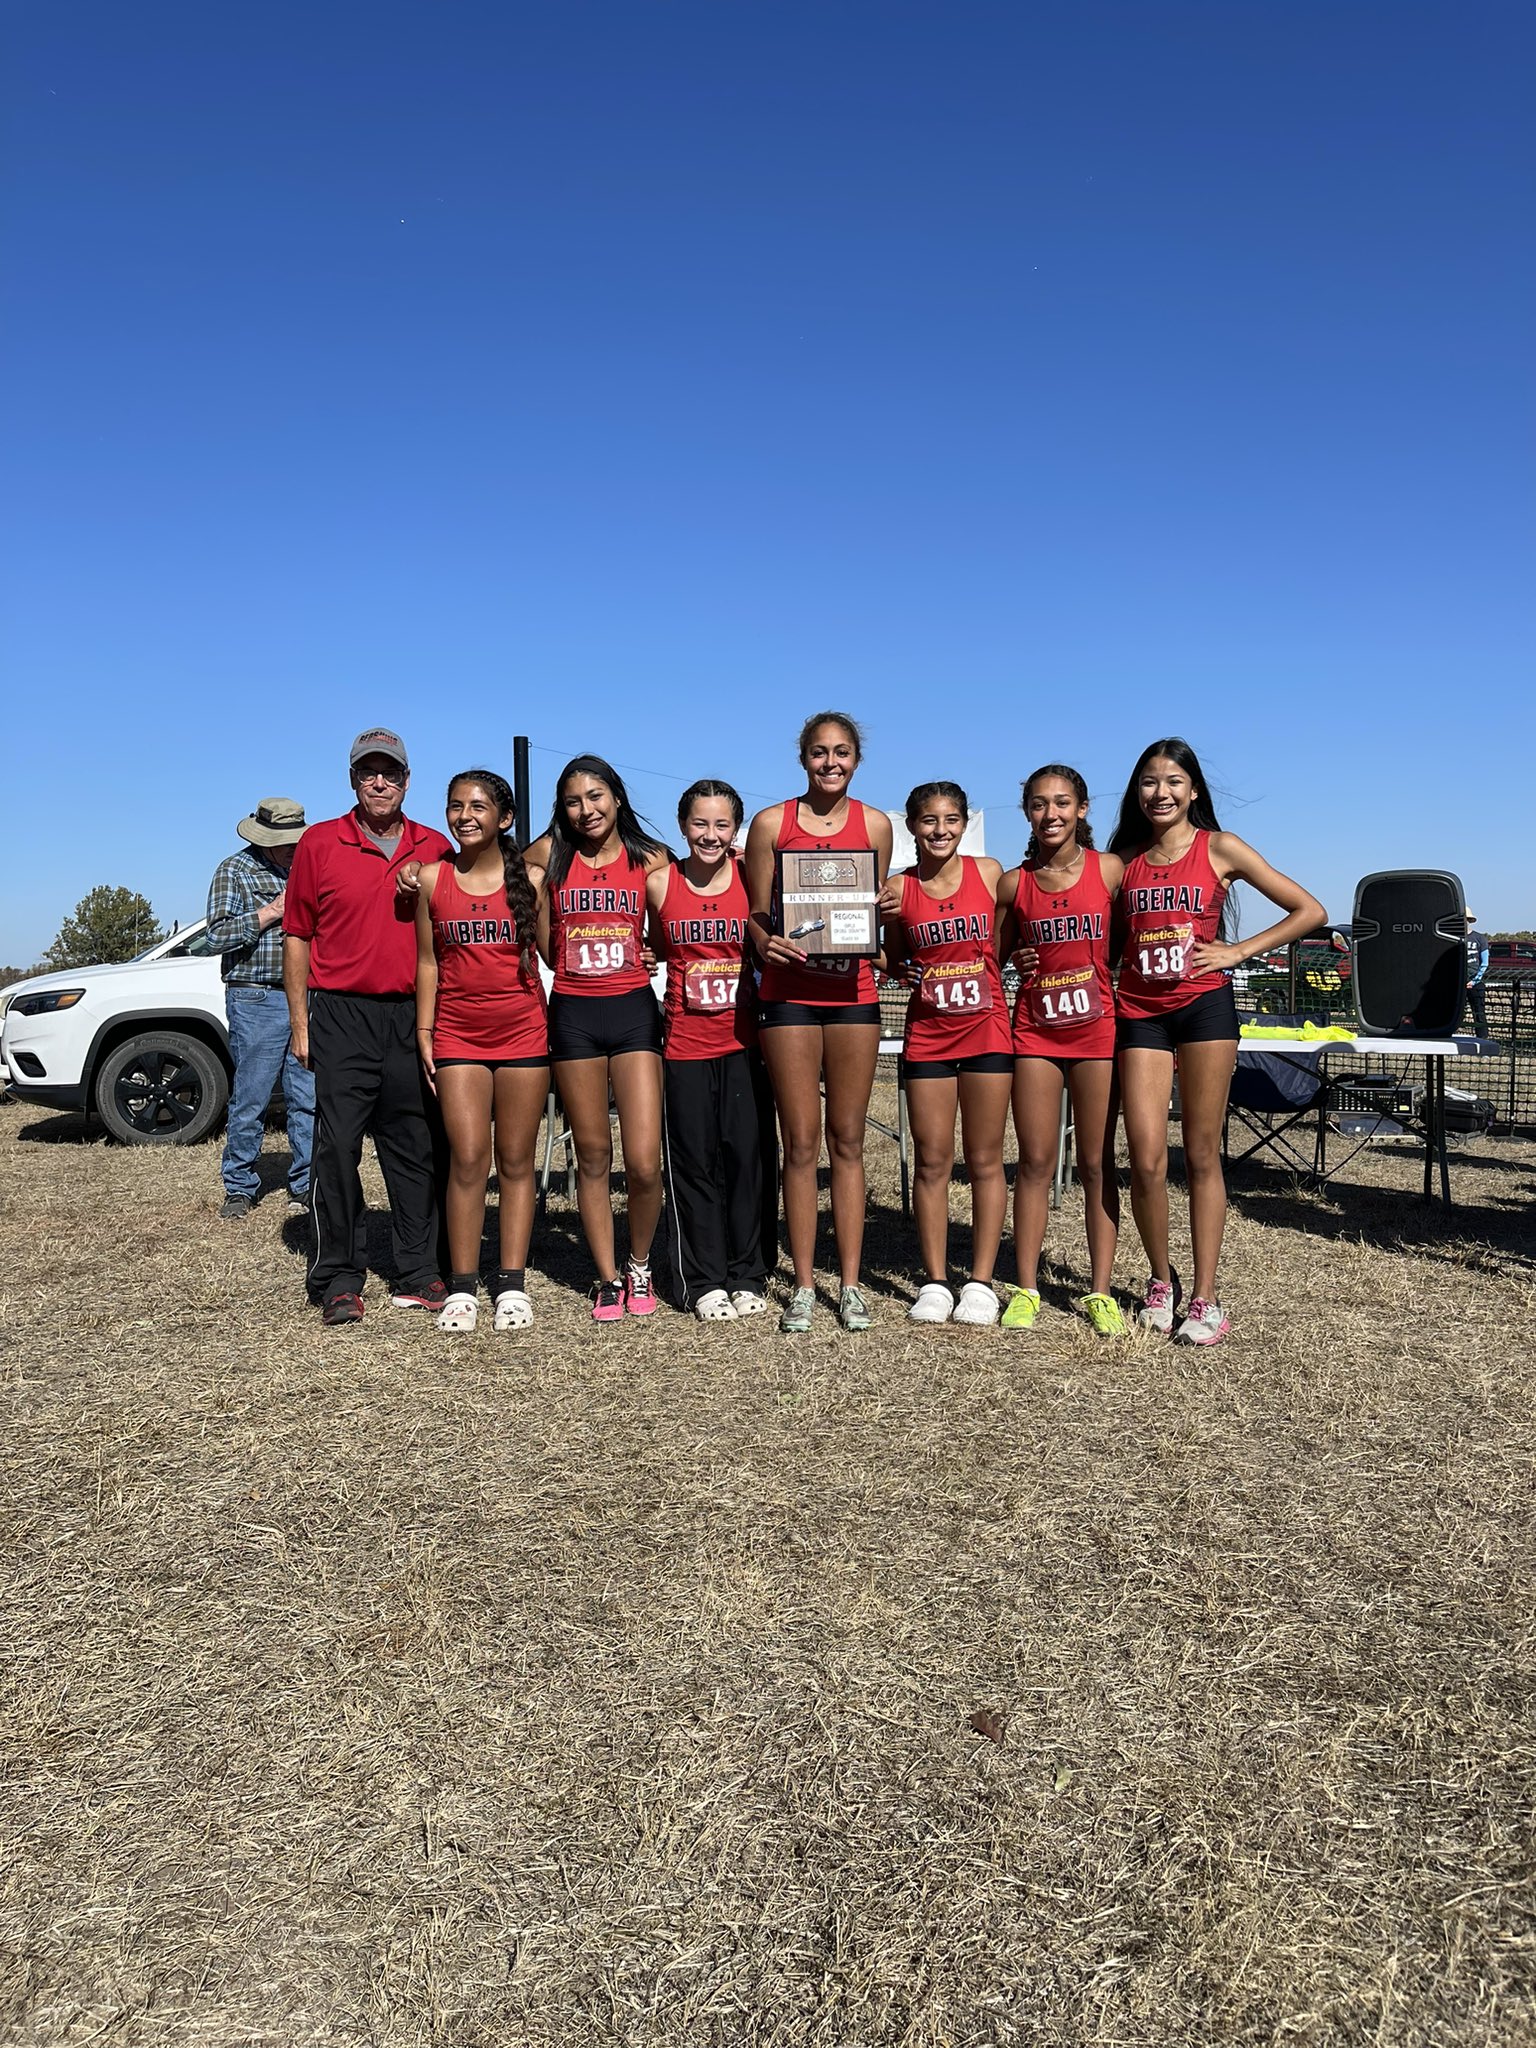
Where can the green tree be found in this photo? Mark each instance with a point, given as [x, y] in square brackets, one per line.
[107, 925]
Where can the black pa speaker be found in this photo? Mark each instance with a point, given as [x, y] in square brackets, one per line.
[1410, 965]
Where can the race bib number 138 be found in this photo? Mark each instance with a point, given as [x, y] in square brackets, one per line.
[1162, 952]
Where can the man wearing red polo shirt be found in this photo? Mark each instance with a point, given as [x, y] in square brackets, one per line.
[349, 972]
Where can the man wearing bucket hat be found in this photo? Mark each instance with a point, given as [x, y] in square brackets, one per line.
[245, 920]
[349, 965]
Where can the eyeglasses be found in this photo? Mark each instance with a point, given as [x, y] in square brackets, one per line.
[395, 777]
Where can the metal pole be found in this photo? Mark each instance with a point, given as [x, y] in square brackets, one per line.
[520, 796]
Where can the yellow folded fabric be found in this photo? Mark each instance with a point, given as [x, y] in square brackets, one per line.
[1299, 1034]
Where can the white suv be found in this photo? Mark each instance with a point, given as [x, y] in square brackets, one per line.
[144, 1044]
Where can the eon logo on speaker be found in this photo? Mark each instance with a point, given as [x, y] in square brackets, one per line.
[1407, 927]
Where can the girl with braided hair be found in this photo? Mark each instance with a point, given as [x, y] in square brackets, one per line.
[1058, 930]
[483, 1035]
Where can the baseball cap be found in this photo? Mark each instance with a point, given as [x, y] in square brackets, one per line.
[378, 739]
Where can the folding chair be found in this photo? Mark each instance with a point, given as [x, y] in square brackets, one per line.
[1273, 1091]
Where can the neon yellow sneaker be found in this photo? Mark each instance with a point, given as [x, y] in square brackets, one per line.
[1103, 1312]
[1022, 1309]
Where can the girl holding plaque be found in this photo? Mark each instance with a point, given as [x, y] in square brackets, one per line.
[819, 1014]
[941, 920]
[1175, 1004]
[718, 1149]
[604, 1026]
[1058, 930]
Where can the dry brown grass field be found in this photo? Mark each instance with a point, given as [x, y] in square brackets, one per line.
[617, 1685]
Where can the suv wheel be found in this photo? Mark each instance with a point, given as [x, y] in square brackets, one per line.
[161, 1088]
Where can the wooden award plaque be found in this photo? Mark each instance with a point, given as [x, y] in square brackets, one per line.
[833, 889]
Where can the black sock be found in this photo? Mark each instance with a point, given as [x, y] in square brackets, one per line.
[463, 1283]
[511, 1278]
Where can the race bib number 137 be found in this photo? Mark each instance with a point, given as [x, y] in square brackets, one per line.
[711, 984]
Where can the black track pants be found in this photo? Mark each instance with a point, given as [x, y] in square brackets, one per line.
[720, 1159]
[369, 1083]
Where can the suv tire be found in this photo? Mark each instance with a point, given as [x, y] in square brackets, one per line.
[161, 1088]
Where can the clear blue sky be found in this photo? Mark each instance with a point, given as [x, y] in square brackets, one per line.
[1028, 379]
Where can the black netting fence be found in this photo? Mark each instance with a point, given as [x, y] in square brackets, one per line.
[1317, 983]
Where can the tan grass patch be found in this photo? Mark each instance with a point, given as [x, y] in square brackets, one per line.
[372, 1685]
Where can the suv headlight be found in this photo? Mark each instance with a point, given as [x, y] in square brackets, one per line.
[46, 1001]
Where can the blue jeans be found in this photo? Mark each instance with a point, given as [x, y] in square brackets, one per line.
[258, 1042]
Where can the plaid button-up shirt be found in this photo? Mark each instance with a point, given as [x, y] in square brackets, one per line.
[240, 886]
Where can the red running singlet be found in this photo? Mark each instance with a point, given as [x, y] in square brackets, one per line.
[958, 1009]
[597, 923]
[711, 1000]
[1066, 1009]
[490, 1004]
[829, 980]
[1167, 911]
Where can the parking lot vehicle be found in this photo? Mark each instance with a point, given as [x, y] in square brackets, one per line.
[1512, 956]
[143, 1044]
[1323, 973]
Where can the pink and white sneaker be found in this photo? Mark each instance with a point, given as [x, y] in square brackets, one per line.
[1160, 1305]
[608, 1302]
[639, 1292]
[1205, 1323]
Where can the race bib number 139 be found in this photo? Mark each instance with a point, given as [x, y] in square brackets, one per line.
[598, 949]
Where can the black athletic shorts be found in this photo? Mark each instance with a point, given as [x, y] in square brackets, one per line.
[769, 1014]
[539, 1059]
[949, 1070]
[1209, 1017]
[602, 1027]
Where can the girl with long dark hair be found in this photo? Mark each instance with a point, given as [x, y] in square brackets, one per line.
[483, 1036]
[1175, 1005]
[604, 1025]
[941, 923]
[718, 1149]
[1058, 931]
[820, 1018]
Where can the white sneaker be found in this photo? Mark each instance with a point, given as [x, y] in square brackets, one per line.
[1205, 1324]
[977, 1304]
[715, 1307]
[934, 1304]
